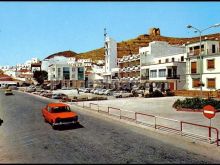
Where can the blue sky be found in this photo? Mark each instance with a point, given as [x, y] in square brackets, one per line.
[38, 29]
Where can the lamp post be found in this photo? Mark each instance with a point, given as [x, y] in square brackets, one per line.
[200, 51]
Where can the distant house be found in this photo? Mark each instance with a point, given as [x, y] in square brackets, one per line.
[36, 66]
[6, 81]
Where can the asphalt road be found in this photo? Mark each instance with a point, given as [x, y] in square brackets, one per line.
[26, 138]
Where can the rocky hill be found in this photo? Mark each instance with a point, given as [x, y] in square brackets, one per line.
[132, 46]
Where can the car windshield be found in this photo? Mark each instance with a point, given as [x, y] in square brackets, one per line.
[60, 109]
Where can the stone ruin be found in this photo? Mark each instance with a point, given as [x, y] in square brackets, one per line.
[154, 32]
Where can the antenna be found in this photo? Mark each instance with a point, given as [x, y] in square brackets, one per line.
[105, 33]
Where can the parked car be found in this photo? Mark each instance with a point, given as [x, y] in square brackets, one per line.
[58, 96]
[102, 91]
[87, 90]
[8, 92]
[59, 114]
[31, 89]
[108, 92]
[92, 90]
[97, 91]
[13, 87]
[122, 94]
[81, 89]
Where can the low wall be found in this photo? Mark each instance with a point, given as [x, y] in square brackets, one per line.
[197, 93]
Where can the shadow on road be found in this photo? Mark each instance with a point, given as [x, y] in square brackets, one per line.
[68, 127]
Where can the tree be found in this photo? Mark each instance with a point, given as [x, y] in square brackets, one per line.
[40, 76]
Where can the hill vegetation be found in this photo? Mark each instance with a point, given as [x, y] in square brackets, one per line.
[132, 46]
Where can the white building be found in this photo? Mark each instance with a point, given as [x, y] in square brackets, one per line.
[110, 47]
[162, 63]
[210, 70]
[66, 75]
[54, 60]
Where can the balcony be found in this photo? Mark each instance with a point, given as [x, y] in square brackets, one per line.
[115, 77]
[144, 77]
[203, 52]
[137, 68]
[173, 76]
[128, 69]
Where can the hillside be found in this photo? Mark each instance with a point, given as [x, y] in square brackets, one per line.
[132, 46]
[64, 53]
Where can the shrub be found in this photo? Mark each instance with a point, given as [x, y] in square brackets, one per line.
[156, 93]
[195, 103]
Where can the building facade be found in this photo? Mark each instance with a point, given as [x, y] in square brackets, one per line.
[129, 72]
[66, 75]
[110, 47]
[163, 65]
[208, 68]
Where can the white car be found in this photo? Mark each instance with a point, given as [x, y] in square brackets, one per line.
[122, 94]
[108, 92]
[97, 91]
[102, 91]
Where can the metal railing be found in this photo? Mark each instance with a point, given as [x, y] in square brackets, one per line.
[195, 131]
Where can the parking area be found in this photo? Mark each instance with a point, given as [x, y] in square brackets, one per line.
[159, 106]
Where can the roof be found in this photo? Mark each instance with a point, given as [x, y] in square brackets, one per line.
[36, 65]
[64, 54]
[57, 105]
[23, 70]
[4, 77]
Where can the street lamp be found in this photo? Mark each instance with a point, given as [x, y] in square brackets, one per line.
[200, 47]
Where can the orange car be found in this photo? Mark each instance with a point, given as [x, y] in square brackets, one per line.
[59, 114]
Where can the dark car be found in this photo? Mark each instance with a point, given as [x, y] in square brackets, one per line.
[58, 96]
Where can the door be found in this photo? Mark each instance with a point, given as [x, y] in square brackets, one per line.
[171, 84]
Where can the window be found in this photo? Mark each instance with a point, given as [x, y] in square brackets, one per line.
[162, 72]
[153, 73]
[159, 61]
[211, 83]
[167, 60]
[59, 71]
[193, 67]
[211, 64]
[182, 58]
[66, 73]
[195, 82]
[80, 73]
[213, 48]
[173, 59]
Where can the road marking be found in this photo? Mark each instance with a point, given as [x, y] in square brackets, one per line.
[210, 112]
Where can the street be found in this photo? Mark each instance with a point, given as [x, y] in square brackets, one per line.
[26, 138]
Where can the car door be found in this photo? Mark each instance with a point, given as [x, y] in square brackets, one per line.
[46, 113]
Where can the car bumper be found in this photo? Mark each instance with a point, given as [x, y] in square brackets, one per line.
[65, 123]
